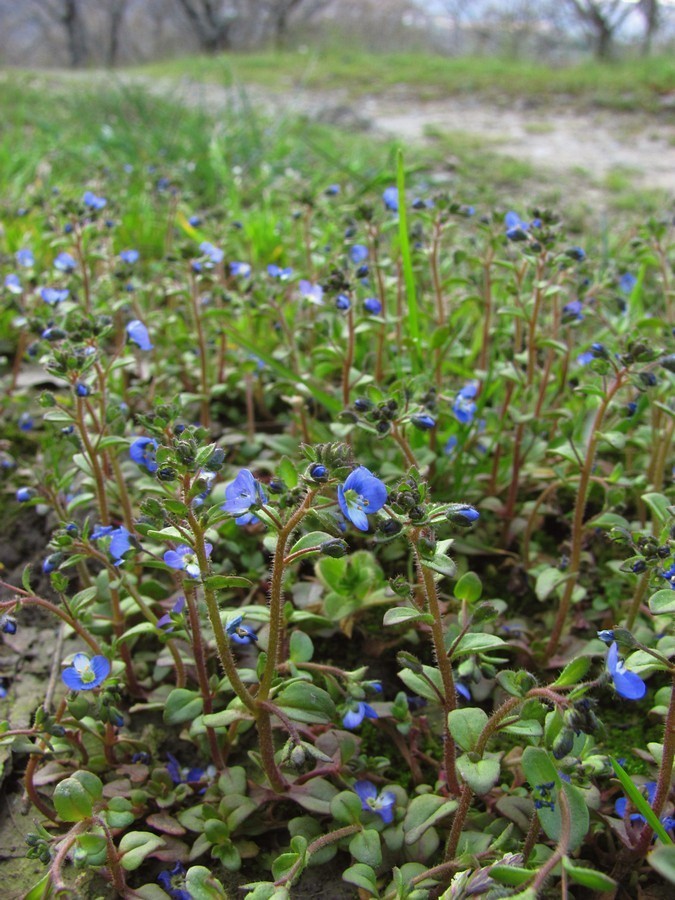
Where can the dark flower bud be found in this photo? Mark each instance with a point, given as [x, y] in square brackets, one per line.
[417, 513]
[342, 302]
[362, 404]
[52, 562]
[81, 390]
[57, 730]
[362, 272]
[639, 566]
[647, 378]
[24, 494]
[276, 486]
[186, 452]
[462, 514]
[668, 362]
[563, 743]
[383, 427]
[54, 334]
[318, 472]
[8, 624]
[663, 552]
[335, 548]
[166, 474]
[72, 529]
[599, 351]
[423, 422]
[390, 527]
[576, 253]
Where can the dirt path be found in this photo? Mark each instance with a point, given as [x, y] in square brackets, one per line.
[559, 139]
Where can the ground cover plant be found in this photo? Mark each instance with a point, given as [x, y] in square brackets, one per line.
[357, 510]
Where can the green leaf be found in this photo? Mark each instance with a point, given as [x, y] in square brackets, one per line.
[201, 884]
[346, 807]
[548, 581]
[640, 802]
[442, 564]
[481, 775]
[222, 582]
[311, 539]
[182, 705]
[511, 875]
[466, 725]
[589, 878]
[663, 860]
[420, 686]
[365, 847]
[573, 672]
[135, 846]
[363, 877]
[305, 702]
[42, 890]
[400, 615]
[301, 647]
[423, 812]
[469, 588]
[74, 797]
[287, 472]
[477, 643]
[662, 601]
[659, 505]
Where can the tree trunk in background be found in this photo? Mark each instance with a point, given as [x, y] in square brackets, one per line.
[651, 14]
[116, 10]
[76, 33]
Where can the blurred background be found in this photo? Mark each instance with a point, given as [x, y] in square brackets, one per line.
[82, 33]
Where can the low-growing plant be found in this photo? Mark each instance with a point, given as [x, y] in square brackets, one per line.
[360, 511]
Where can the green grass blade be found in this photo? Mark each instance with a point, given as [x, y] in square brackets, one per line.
[641, 805]
[413, 312]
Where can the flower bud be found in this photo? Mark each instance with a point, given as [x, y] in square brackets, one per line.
[423, 422]
[335, 548]
[318, 472]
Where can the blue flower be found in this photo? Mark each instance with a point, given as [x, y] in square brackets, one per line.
[86, 674]
[64, 262]
[13, 283]
[372, 305]
[516, 228]
[382, 804]
[361, 495]
[628, 684]
[25, 422]
[583, 359]
[240, 269]
[357, 713]
[173, 881]
[390, 198]
[358, 253]
[311, 292]
[450, 445]
[627, 282]
[275, 271]
[606, 635]
[81, 389]
[332, 190]
[182, 775]
[24, 494]
[669, 575]
[572, 311]
[241, 634]
[143, 451]
[184, 557]
[464, 408]
[54, 296]
[166, 621]
[120, 542]
[240, 495]
[342, 302]
[462, 514]
[24, 258]
[215, 254]
[92, 201]
[129, 256]
[195, 221]
[138, 334]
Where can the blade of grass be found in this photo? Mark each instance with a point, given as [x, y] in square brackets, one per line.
[641, 805]
[411, 295]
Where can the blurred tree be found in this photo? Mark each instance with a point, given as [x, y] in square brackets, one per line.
[213, 21]
[115, 10]
[602, 19]
[67, 14]
[279, 13]
[651, 12]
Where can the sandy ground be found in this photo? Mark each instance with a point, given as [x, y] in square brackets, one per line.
[559, 139]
